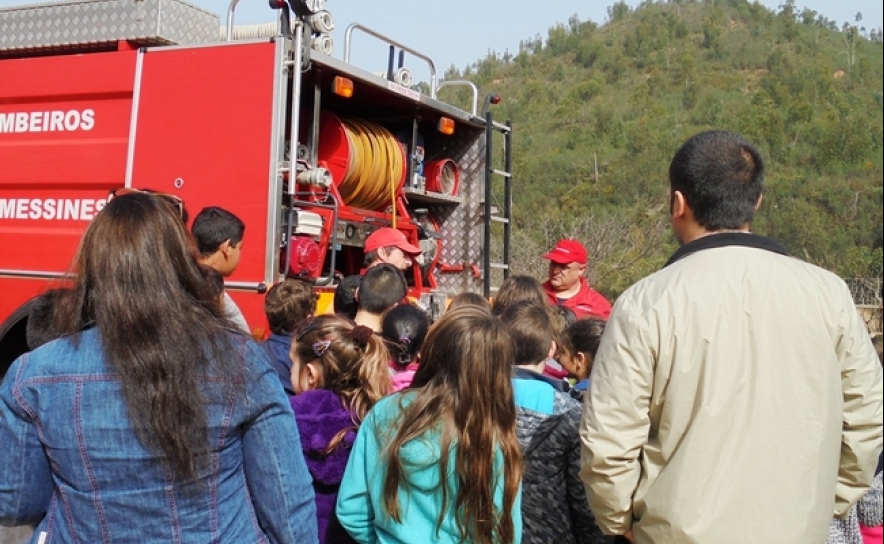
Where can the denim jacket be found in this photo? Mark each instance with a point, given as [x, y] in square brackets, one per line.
[69, 455]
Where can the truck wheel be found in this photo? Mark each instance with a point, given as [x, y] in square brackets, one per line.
[12, 345]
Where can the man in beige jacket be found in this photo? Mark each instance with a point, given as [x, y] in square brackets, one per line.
[736, 396]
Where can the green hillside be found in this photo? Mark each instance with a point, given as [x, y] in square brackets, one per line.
[599, 110]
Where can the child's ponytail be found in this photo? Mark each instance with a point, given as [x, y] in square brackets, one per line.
[373, 373]
[404, 329]
[353, 364]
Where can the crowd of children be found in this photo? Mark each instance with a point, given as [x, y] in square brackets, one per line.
[404, 405]
[340, 368]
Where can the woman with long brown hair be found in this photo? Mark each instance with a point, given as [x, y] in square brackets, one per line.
[440, 461]
[150, 421]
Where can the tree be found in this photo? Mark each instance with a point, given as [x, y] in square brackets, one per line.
[849, 33]
[596, 128]
[618, 11]
[623, 245]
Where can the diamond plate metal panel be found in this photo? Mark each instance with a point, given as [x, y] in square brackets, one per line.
[99, 24]
[461, 225]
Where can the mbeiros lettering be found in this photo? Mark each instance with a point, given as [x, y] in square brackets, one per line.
[47, 121]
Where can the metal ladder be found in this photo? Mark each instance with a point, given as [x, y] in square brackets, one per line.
[491, 215]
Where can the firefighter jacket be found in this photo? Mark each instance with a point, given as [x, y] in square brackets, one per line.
[587, 302]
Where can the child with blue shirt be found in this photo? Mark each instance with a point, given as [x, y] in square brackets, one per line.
[286, 305]
[554, 504]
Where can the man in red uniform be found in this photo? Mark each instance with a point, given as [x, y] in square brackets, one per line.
[566, 285]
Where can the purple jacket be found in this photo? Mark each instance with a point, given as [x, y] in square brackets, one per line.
[320, 415]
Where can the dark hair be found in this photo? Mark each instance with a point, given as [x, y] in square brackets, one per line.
[566, 313]
[213, 226]
[381, 287]
[585, 335]
[453, 396]
[345, 296]
[287, 304]
[183, 213]
[516, 288]
[721, 175]
[214, 279]
[468, 298]
[41, 328]
[404, 328]
[371, 257]
[161, 325]
[531, 330]
[560, 318]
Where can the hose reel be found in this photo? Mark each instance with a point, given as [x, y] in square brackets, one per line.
[443, 176]
[365, 160]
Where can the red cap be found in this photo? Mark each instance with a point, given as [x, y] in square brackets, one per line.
[567, 251]
[387, 237]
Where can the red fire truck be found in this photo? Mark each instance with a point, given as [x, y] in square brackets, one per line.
[311, 151]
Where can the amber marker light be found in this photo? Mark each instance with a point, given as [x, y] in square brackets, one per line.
[342, 86]
[446, 126]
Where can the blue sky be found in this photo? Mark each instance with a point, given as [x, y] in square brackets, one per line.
[459, 32]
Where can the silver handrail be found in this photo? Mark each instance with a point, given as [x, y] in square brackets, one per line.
[470, 84]
[389, 41]
[230, 8]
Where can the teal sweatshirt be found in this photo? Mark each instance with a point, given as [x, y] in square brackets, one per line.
[360, 499]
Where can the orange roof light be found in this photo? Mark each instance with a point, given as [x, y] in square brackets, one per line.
[342, 87]
[446, 126]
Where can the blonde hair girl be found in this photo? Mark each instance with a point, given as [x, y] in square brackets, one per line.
[339, 371]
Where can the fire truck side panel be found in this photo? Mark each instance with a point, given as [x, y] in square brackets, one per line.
[64, 125]
[205, 117]
[229, 124]
[65, 120]
[42, 225]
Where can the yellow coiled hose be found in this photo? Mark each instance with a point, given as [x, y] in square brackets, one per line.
[375, 168]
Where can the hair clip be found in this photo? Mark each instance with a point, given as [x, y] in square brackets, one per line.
[320, 347]
[404, 340]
